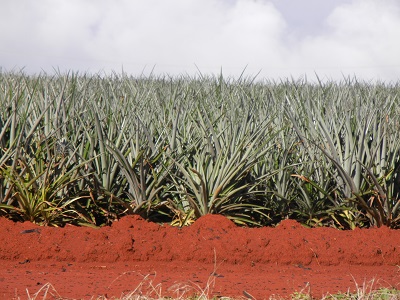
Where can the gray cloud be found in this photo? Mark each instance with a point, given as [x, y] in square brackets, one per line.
[360, 37]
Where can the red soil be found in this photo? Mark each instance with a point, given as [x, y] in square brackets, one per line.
[211, 256]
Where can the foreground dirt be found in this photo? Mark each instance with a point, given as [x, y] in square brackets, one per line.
[212, 256]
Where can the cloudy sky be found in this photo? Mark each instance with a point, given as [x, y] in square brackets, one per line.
[275, 38]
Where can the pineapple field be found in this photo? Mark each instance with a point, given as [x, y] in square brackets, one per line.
[309, 172]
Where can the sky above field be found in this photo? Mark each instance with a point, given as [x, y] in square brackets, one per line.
[274, 39]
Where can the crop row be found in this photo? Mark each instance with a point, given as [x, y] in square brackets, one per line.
[87, 149]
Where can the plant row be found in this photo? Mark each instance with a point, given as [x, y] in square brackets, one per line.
[88, 149]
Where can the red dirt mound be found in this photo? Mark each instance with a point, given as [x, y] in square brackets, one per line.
[212, 256]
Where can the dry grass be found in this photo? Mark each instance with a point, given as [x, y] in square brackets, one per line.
[147, 290]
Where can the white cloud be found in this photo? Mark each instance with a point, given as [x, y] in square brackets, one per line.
[361, 38]
[176, 34]
[364, 38]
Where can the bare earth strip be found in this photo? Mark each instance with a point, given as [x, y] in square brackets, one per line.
[211, 256]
